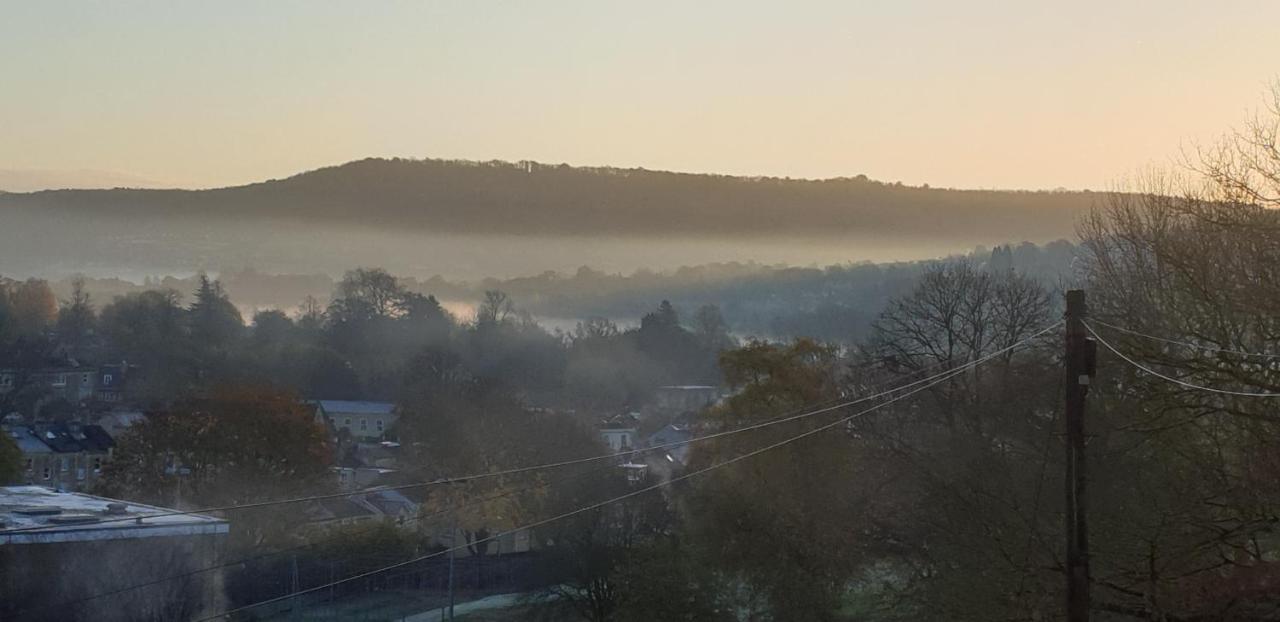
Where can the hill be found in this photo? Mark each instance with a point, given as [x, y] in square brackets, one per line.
[449, 196]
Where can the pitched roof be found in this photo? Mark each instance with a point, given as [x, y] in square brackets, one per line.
[356, 407]
[58, 438]
[95, 438]
[26, 440]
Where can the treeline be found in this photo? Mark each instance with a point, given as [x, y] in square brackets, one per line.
[358, 346]
[835, 303]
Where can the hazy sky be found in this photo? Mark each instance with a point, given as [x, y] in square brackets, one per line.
[967, 94]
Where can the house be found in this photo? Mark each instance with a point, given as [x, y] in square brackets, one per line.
[635, 471]
[65, 380]
[68, 380]
[360, 477]
[391, 503]
[680, 399]
[111, 381]
[362, 420]
[365, 507]
[117, 422]
[38, 461]
[619, 432]
[66, 457]
[324, 514]
[60, 547]
[673, 441]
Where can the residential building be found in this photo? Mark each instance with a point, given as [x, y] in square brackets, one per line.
[680, 399]
[62, 456]
[672, 440]
[67, 381]
[360, 477]
[619, 432]
[118, 421]
[111, 382]
[362, 420]
[59, 547]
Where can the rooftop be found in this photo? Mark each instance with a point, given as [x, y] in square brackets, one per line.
[27, 442]
[356, 408]
[43, 515]
[59, 438]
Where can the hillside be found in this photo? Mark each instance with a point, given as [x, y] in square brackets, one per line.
[446, 196]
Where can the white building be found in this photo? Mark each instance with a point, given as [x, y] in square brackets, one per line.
[363, 420]
[685, 398]
[61, 546]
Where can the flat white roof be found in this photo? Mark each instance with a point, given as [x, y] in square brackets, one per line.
[41, 515]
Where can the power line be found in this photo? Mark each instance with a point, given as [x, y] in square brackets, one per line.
[1184, 343]
[1167, 378]
[785, 418]
[551, 465]
[937, 379]
[311, 544]
[600, 504]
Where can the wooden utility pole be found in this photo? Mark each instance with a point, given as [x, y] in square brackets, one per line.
[1080, 364]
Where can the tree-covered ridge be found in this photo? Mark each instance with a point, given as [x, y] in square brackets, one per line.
[532, 198]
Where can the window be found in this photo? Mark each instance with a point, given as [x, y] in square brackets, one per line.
[379, 425]
[46, 471]
[66, 464]
[346, 422]
[84, 378]
[364, 425]
[106, 379]
[6, 381]
[80, 473]
[30, 464]
[97, 465]
[60, 380]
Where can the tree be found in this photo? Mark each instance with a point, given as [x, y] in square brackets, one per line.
[215, 328]
[377, 325]
[589, 558]
[10, 460]
[595, 329]
[271, 327]
[311, 315]
[661, 338]
[604, 370]
[496, 308]
[238, 445]
[30, 307]
[810, 497]
[1189, 494]
[958, 313]
[77, 320]
[711, 330]
[366, 294]
[149, 330]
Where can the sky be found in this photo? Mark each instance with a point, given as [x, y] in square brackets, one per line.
[974, 94]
